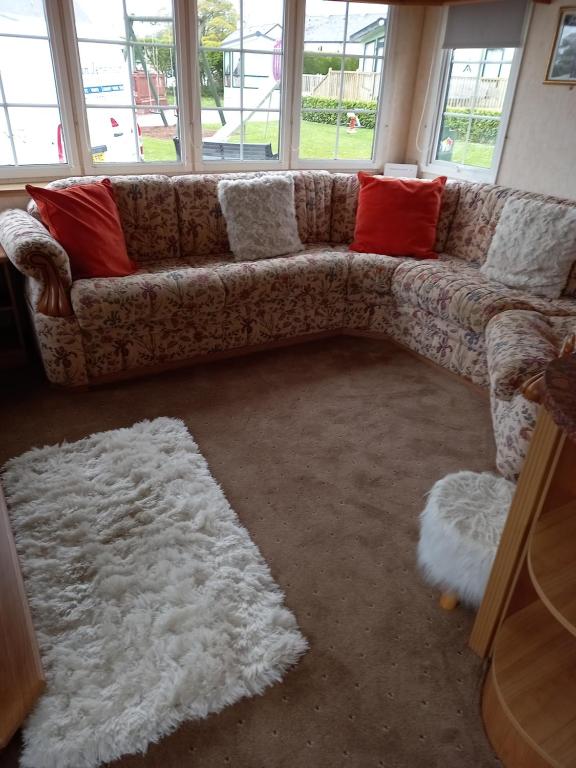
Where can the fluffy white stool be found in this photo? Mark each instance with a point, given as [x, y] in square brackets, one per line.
[460, 529]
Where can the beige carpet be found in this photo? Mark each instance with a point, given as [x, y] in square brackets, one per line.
[325, 451]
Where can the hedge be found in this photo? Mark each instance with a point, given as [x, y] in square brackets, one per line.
[481, 131]
[331, 118]
[319, 63]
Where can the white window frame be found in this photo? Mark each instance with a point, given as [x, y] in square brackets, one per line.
[66, 57]
[72, 166]
[441, 70]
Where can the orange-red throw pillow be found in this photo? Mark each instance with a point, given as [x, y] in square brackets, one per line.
[397, 217]
[85, 221]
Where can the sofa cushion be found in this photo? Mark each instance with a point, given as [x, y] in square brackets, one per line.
[316, 275]
[533, 247]
[457, 291]
[397, 217]
[520, 344]
[260, 216]
[202, 226]
[345, 188]
[170, 289]
[147, 209]
[370, 278]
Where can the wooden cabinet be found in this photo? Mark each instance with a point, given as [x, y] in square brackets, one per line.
[12, 339]
[21, 678]
[527, 620]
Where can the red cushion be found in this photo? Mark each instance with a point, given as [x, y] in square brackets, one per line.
[397, 217]
[85, 221]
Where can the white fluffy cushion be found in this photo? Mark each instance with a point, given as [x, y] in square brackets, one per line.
[533, 248]
[260, 216]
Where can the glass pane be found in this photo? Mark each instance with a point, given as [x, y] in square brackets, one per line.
[26, 71]
[105, 74]
[102, 20]
[105, 20]
[23, 17]
[6, 156]
[158, 135]
[318, 135]
[113, 135]
[356, 136]
[473, 106]
[342, 65]
[241, 82]
[36, 134]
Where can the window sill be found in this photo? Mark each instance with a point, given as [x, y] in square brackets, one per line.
[460, 172]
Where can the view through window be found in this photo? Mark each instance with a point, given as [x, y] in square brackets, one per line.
[30, 125]
[344, 47]
[241, 65]
[128, 66]
[476, 85]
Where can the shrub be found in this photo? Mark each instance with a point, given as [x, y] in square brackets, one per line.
[318, 64]
[481, 131]
[331, 118]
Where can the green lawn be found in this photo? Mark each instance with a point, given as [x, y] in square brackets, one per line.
[478, 155]
[317, 141]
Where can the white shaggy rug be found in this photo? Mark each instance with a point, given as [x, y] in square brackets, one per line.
[151, 603]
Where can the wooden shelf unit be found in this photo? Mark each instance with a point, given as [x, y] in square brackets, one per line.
[527, 620]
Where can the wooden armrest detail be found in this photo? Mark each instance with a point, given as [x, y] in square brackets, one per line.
[534, 388]
[54, 300]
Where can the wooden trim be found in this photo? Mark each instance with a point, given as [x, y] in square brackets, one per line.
[543, 454]
[502, 730]
[54, 300]
[20, 666]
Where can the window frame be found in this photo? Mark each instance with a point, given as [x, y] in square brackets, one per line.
[72, 166]
[440, 76]
[68, 73]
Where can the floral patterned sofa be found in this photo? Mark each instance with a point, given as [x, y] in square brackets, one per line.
[189, 298]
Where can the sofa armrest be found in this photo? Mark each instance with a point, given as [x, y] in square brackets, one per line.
[36, 254]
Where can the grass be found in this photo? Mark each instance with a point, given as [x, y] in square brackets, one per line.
[478, 155]
[317, 141]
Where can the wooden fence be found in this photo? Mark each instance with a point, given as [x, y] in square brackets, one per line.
[487, 93]
[358, 86]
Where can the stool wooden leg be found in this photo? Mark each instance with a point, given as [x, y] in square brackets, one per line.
[448, 601]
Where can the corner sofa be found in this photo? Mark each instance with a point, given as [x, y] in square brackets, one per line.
[190, 299]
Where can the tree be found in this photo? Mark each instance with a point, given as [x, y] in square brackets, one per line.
[216, 20]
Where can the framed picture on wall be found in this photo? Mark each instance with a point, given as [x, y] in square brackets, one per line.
[562, 64]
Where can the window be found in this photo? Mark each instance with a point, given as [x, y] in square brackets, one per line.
[120, 86]
[129, 79]
[475, 88]
[241, 56]
[342, 64]
[31, 131]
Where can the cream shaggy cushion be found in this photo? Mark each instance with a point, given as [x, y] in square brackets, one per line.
[460, 529]
[533, 248]
[151, 603]
[260, 216]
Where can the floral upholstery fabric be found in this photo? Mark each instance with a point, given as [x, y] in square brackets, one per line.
[447, 344]
[345, 188]
[62, 349]
[518, 346]
[521, 344]
[202, 224]
[450, 199]
[371, 277]
[25, 240]
[457, 291]
[514, 421]
[147, 210]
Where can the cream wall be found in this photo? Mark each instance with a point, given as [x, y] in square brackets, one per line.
[540, 149]
[539, 152]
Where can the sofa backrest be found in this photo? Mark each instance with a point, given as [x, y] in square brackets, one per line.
[147, 209]
[476, 218]
[202, 227]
